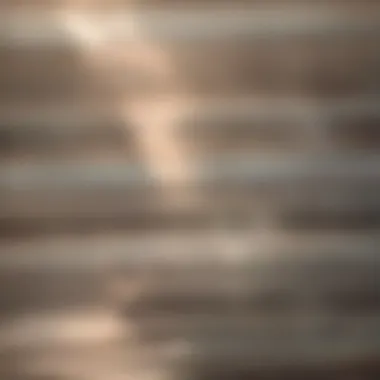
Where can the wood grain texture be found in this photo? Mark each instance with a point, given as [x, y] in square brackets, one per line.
[189, 190]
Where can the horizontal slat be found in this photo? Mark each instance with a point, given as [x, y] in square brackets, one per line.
[312, 66]
[83, 220]
[38, 28]
[281, 349]
[64, 114]
[281, 184]
[80, 363]
[107, 251]
[232, 172]
[276, 168]
[9, 4]
[343, 283]
[224, 125]
[111, 4]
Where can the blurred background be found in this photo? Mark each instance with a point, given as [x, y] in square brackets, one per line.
[189, 189]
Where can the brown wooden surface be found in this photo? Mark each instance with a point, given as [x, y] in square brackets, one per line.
[269, 271]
